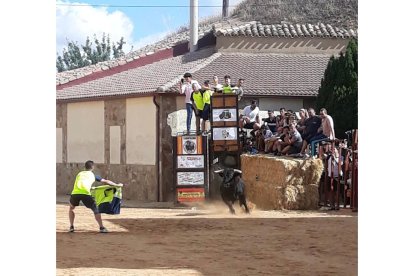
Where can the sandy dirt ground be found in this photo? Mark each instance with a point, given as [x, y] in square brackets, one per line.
[207, 240]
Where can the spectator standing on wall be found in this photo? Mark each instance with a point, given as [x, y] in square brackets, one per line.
[186, 87]
[239, 89]
[215, 82]
[197, 104]
[206, 100]
[327, 124]
[227, 87]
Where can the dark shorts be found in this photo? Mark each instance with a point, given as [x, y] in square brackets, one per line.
[206, 112]
[87, 200]
[198, 113]
[294, 149]
[249, 125]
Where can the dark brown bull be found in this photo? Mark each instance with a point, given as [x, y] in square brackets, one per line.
[232, 188]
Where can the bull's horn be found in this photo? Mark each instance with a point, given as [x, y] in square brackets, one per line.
[236, 170]
[219, 171]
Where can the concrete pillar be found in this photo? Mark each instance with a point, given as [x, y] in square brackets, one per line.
[193, 25]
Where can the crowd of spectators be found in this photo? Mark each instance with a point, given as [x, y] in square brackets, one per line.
[287, 134]
[284, 134]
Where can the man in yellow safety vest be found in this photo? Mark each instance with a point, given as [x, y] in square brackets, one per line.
[82, 192]
[227, 87]
[198, 105]
[206, 99]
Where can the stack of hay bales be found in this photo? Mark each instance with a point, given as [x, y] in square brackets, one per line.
[281, 182]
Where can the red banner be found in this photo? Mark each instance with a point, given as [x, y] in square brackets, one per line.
[190, 194]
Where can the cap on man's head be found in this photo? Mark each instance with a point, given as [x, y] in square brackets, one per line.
[187, 75]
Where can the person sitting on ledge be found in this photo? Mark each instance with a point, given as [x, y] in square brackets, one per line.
[249, 118]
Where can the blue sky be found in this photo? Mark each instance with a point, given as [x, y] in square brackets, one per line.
[138, 25]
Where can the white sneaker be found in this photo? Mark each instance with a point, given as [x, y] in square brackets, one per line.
[103, 230]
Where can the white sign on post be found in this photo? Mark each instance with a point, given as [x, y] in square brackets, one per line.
[224, 115]
[190, 161]
[225, 133]
[190, 178]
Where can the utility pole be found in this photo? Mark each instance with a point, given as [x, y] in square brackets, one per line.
[225, 9]
[193, 25]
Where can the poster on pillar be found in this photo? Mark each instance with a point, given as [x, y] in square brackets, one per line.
[189, 145]
[224, 115]
[190, 194]
[190, 178]
[190, 161]
[225, 133]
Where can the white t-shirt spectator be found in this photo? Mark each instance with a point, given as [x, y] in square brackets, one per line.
[187, 89]
[251, 114]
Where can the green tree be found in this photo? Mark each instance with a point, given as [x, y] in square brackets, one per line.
[338, 92]
[75, 56]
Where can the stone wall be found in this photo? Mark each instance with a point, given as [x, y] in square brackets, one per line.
[61, 122]
[141, 179]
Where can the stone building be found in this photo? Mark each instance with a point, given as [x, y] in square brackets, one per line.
[122, 113]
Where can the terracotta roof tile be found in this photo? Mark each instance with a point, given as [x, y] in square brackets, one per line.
[270, 74]
[226, 28]
[140, 80]
[264, 74]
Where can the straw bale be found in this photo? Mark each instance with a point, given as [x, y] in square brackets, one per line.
[301, 197]
[281, 182]
[265, 196]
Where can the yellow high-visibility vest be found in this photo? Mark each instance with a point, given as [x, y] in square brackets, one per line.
[227, 90]
[198, 100]
[207, 96]
[83, 183]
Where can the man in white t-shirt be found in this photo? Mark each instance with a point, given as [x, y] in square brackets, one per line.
[250, 117]
[186, 87]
